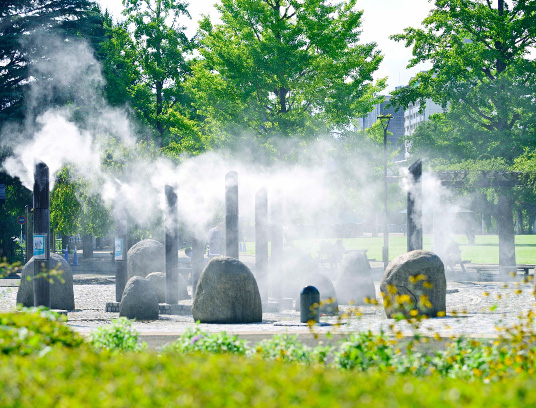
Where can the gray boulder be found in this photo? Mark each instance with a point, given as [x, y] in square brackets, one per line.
[328, 297]
[145, 257]
[158, 282]
[227, 293]
[139, 300]
[414, 284]
[61, 288]
[354, 282]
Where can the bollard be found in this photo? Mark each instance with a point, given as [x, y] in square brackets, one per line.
[67, 254]
[41, 241]
[309, 304]
[75, 257]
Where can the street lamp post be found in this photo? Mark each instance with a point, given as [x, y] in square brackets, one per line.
[384, 120]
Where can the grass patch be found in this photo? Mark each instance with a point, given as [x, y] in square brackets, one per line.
[485, 249]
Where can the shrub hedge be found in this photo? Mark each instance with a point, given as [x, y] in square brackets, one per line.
[85, 378]
[35, 330]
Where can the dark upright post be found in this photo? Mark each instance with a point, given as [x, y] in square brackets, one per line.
[198, 260]
[309, 305]
[41, 241]
[29, 233]
[415, 207]
[120, 245]
[276, 256]
[172, 247]
[505, 224]
[231, 214]
[261, 240]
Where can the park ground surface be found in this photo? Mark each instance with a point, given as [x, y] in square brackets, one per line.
[476, 309]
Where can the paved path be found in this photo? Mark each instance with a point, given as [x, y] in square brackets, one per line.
[469, 312]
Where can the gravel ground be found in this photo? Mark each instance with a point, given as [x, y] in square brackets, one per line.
[469, 312]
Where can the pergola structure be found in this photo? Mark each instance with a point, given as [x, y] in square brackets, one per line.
[502, 180]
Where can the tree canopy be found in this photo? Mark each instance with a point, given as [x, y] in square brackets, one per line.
[26, 26]
[283, 67]
[481, 68]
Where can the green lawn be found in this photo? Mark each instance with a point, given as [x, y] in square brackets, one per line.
[485, 250]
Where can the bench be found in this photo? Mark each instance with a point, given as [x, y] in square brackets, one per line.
[479, 268]
[332, 257]
[460, 262]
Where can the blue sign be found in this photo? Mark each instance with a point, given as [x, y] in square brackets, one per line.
[39, 246]
[21, 220]
[118, 252]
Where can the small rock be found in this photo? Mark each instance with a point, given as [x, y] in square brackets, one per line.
[158, 282]
[354, 282]
[139, 300]
[145, 257]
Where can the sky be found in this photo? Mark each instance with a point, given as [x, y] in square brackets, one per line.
[381, 19]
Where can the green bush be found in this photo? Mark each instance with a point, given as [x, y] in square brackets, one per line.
[363, 351]
[194, 340]
[116, 336]
[284, 347]
[84, 378]
[35, 330]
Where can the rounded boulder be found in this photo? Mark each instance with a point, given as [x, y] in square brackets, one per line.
[414, 284]
[145, 257]
[61, 287]
[227, 292]
[139, 300]
[354, 283]
[158, 282]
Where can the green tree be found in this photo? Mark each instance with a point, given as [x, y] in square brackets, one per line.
[25, 29]
[158, 49]
[283, 67]
[75, 208]
[481, 68]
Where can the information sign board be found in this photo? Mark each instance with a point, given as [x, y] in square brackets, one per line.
[39, 246]
[119, 249]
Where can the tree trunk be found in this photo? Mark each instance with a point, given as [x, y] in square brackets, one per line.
[64, 241]
[87, 246]
[159, 108]
[505, 224]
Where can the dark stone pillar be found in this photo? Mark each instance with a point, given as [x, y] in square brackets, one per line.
[261, 241]
[29, 232]
[172, 247]
[231, 214]
[277, 241]
[198, 260]
[414, 215]
[41, 241]
[87, 246]
[120, 245]
[505, 224]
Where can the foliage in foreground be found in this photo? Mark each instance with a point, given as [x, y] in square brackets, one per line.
[83, 378]
[116, 336]
[35, 330]
[38, 331]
